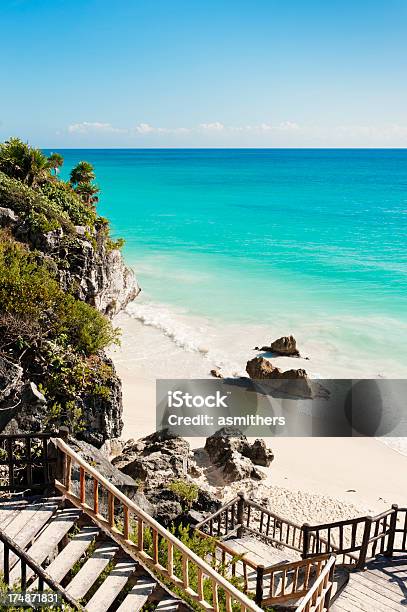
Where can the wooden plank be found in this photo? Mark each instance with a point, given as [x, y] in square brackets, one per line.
[139, 594]
[26, 525]
[112, 586]
[9, 510]
[388, 589]
[350, 604]
[168, 604]
[72, 552]
[92, 568]
[365, 601]
[363, 592]
[48, 540]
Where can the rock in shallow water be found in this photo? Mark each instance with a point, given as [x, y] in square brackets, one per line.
[286, 345]
[293, 382]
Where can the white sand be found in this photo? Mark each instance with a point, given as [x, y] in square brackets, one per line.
[311, 479]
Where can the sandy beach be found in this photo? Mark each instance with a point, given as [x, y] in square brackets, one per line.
[310, 479]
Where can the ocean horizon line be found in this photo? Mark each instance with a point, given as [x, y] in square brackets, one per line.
[119, 148]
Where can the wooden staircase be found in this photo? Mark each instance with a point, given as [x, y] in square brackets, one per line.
[79, 556]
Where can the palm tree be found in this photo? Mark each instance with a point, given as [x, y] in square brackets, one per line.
[55, 161]
[39, 168]
[82, 173]
[87, 192]
[14, 158]
[24, 163]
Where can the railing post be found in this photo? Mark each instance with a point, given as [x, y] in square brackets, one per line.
[365, 543]
[327, 598]
[392, 533]
[240, 513]
[259, 585]
[305, 539]
[61, 459]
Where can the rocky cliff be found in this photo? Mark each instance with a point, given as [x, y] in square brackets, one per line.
[51, 373]
[86, 262]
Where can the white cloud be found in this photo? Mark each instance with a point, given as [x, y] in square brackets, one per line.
[215, 126]
[146, 128]
[284, 126]
[267, 133]
[86, 127]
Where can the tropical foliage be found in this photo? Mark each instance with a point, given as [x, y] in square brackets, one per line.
[82, 177]
[49, 331]
[55, 161]
[30, 293]
[54, 336]
[20, 161]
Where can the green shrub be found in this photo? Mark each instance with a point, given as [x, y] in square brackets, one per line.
[29, 292]
[184, 490]
[205, 548]
[62, 194]
[40, 213]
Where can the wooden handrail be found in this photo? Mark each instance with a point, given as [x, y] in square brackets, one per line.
[319, 590]
[217, 513]
[291, 581]
[232, 594]
[40, 573]
[260, 508]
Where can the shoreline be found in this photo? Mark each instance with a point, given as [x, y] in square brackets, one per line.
[350, 474]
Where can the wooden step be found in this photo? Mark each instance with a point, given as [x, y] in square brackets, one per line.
[91, 570]
[168, 604]
[72, 552]
[48, 540]
[26, 525]
[139, 594]
[9, 510]
[112, 586]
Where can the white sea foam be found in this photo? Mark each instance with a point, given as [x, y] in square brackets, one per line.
[189, 333]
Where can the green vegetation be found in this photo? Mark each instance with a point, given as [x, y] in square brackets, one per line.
[55, 161]
[82, 177]
[32, 206]
[56, 337]
[37, 319]
[24, 163]
[186, 491]
[205, 548]
[30, 187]
[30, 294]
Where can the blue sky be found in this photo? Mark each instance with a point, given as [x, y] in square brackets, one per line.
[180, 73]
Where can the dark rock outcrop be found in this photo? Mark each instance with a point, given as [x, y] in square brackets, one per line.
[20, 400]
[229, 450]
[286, 345]
[156, 459]
[11, 383]
[86, 265]
[216, 373]
[8, 218]
[292, 382]
[156, 462]
[101, 463]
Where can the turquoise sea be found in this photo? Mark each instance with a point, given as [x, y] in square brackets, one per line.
[309, 242]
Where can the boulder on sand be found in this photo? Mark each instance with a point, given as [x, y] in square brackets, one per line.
[230, 451]
[156, 459]
[294, 382]
[286, 346]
